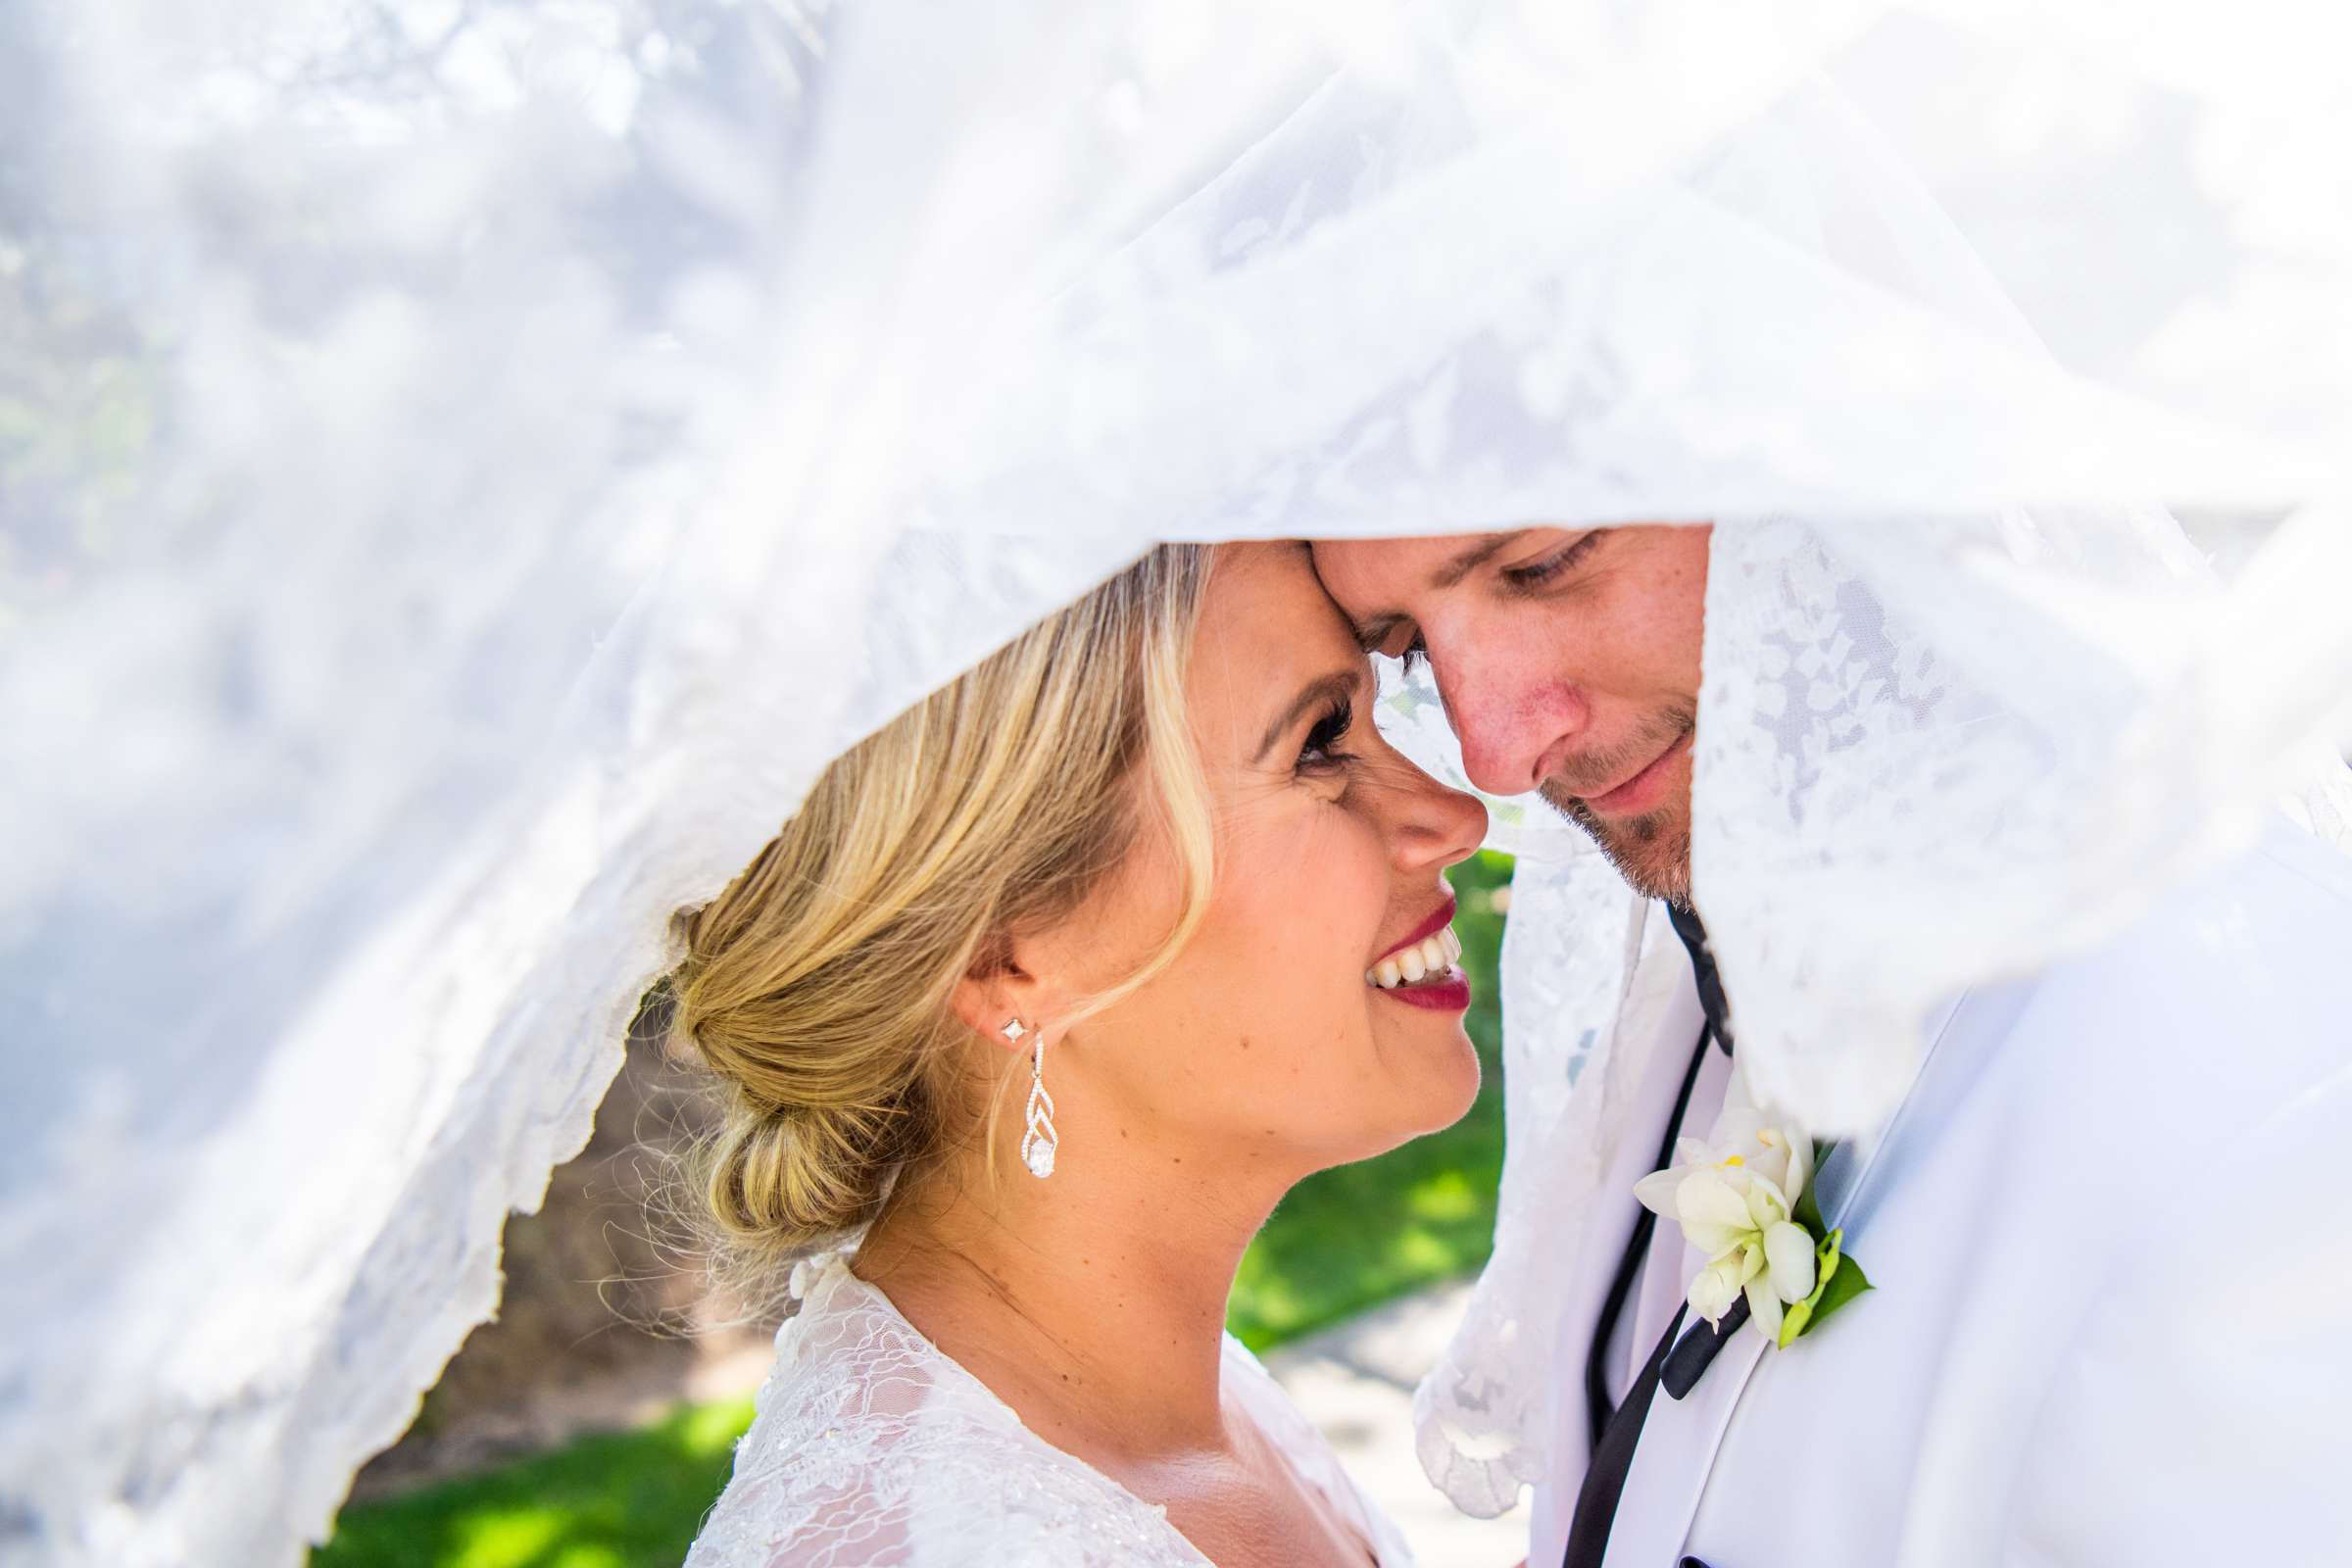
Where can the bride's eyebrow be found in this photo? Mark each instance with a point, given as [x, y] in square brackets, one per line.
[1320, 692]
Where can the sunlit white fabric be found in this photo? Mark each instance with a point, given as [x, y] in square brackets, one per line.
[873, 1446]
[468, 468]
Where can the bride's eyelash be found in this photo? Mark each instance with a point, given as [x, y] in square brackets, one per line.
[1544, 568]
[1416, 655]
[1329, 731]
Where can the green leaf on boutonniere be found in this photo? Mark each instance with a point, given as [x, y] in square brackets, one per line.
[1809, 1213]
[1809, 1203]
[1838, 1280]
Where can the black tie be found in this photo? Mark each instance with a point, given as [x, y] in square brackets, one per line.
[1599, 1410]
[1612, 1461]
[1711, 999]
[1617, 1430]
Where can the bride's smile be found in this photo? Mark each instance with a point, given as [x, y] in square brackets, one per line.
[1425, 967]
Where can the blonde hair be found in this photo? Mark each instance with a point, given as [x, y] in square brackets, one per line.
[816, 987]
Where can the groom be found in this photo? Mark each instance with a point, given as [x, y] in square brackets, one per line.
[2110, 1322]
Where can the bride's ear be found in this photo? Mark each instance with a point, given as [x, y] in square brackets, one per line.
[996, 993]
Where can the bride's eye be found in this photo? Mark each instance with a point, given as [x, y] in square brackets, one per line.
[1321, 753]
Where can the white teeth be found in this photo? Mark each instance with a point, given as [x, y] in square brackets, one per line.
[1431, 955]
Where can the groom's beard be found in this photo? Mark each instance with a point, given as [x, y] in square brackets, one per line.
[1653, 850]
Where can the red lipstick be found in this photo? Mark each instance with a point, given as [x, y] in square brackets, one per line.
[1440, 918]
[1449, 993]
[1444, 989]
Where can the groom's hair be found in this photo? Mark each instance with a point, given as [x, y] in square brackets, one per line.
[817, 986]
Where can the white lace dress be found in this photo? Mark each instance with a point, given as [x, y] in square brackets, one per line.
[871, 1447]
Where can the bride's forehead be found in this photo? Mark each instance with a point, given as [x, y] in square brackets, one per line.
[1267, 631]
[1266, 596]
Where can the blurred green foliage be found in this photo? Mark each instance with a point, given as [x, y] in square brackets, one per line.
[627, 1499]
[1342, 1241]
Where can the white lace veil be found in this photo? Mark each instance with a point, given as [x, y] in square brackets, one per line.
[467, 465]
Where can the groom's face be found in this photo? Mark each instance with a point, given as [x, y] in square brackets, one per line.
[1568, 660]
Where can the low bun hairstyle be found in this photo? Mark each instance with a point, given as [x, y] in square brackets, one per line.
[816, 988]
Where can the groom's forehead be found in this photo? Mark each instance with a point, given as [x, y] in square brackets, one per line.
[1373, 579]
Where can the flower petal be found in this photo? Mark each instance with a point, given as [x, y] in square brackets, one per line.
[1766, 1205]
[1801, 1165]
[1764, 1309]
[1713, 1216]
[1712, 1293]
[1716, 1241]
[1788, 1250]
[1692, 1151]
[1655, 1192]
[1706, 1199]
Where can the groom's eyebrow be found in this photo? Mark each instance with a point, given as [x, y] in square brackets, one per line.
[1463, 562]
[1371, 634]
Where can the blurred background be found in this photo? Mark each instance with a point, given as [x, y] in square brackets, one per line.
[592, 1423]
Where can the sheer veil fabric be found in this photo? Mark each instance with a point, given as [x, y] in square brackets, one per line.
[468, 468]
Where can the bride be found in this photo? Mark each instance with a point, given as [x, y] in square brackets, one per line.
[1048, 992]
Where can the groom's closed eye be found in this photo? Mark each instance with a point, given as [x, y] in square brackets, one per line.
[1551, 563]
[1373, 635]
[1394, 637]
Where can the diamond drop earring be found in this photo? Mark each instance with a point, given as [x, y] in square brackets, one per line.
[1039, 1141]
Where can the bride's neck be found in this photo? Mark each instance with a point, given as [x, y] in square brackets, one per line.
[1094, 1300]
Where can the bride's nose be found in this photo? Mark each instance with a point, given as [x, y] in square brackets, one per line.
[1432, 823]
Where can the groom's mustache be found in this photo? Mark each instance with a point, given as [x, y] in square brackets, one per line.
[1589, 773]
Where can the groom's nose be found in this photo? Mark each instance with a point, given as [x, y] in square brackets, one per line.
[1516, 718]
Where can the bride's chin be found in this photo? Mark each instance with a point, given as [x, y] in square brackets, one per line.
[1432, 1108]
[1451, 1086]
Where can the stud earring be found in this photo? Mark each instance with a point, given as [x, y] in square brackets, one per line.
[1039, 1140]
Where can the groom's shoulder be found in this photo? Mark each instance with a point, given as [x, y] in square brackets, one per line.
[2244, 920]
[2228, 993]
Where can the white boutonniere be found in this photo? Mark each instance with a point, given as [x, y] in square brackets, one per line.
[1744, 1197]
